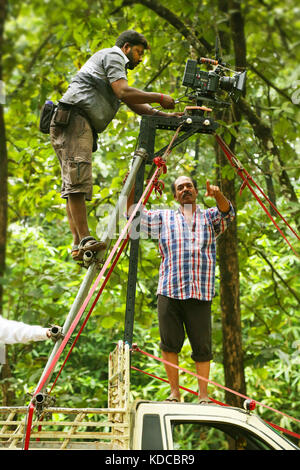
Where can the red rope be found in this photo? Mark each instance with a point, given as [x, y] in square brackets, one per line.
[246, 177]
[28, 426]
[286, 431]
[136, 348]
[180, 386]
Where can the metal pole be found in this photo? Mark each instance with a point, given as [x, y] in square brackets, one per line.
[133, 266]
[147, 141]
[139, 158]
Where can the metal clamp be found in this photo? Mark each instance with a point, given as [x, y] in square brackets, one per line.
[88, 257]
[56, 333]
[43, 400]
[141, 152]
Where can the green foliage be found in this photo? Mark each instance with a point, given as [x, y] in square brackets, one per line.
[45, 43]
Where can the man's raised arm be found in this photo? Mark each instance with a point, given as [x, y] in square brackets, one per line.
[133, 96]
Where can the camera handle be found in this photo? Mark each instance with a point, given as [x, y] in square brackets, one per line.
[205, 60]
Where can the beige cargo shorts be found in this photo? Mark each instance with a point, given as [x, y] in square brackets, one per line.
[73, 146]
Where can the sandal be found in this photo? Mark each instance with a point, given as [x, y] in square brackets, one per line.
[205, 401]
[90, 243]
[171, 399]
[76, 254]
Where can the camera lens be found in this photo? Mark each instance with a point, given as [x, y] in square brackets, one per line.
[226, 83]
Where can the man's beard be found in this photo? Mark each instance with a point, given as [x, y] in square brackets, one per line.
[130, 65]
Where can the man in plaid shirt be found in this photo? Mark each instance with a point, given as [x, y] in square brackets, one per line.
[187, 244]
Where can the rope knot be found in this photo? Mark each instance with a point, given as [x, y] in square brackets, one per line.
[159, 186]
[160, 163]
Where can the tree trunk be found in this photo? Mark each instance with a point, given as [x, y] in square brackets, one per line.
[228, 242]
[230, 300]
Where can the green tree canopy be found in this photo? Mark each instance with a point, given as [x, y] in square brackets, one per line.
[42, 46]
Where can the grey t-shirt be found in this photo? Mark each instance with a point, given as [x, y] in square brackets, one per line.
[90, 89]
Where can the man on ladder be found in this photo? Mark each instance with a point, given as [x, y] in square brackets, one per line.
[88, 106]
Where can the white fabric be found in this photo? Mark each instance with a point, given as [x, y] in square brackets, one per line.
[12, 332]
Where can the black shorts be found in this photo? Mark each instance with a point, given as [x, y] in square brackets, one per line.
[191, 315]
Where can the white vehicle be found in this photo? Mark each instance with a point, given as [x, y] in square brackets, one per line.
[141, 425]
[185, 426]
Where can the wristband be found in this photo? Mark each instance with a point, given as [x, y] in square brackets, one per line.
[161, 98]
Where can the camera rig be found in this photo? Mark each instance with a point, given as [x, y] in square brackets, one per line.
[207, 86]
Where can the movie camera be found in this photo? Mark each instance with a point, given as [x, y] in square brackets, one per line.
[208, 86]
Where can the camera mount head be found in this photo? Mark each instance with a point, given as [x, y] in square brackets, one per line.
[207, 86]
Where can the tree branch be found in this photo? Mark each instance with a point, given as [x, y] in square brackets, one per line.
[274, 270]
[30, 65]
[269, 83]
[198, 42]
[264, 133]
[163, 67]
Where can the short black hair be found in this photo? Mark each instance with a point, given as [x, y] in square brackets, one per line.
[132, 37]
[173, 187]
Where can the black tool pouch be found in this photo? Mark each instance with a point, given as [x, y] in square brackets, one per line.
[47, 112]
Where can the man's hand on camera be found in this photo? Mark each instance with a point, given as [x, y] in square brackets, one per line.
[175, 114]
[167, 102]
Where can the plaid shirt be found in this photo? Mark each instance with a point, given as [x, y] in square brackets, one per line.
[187, 268]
